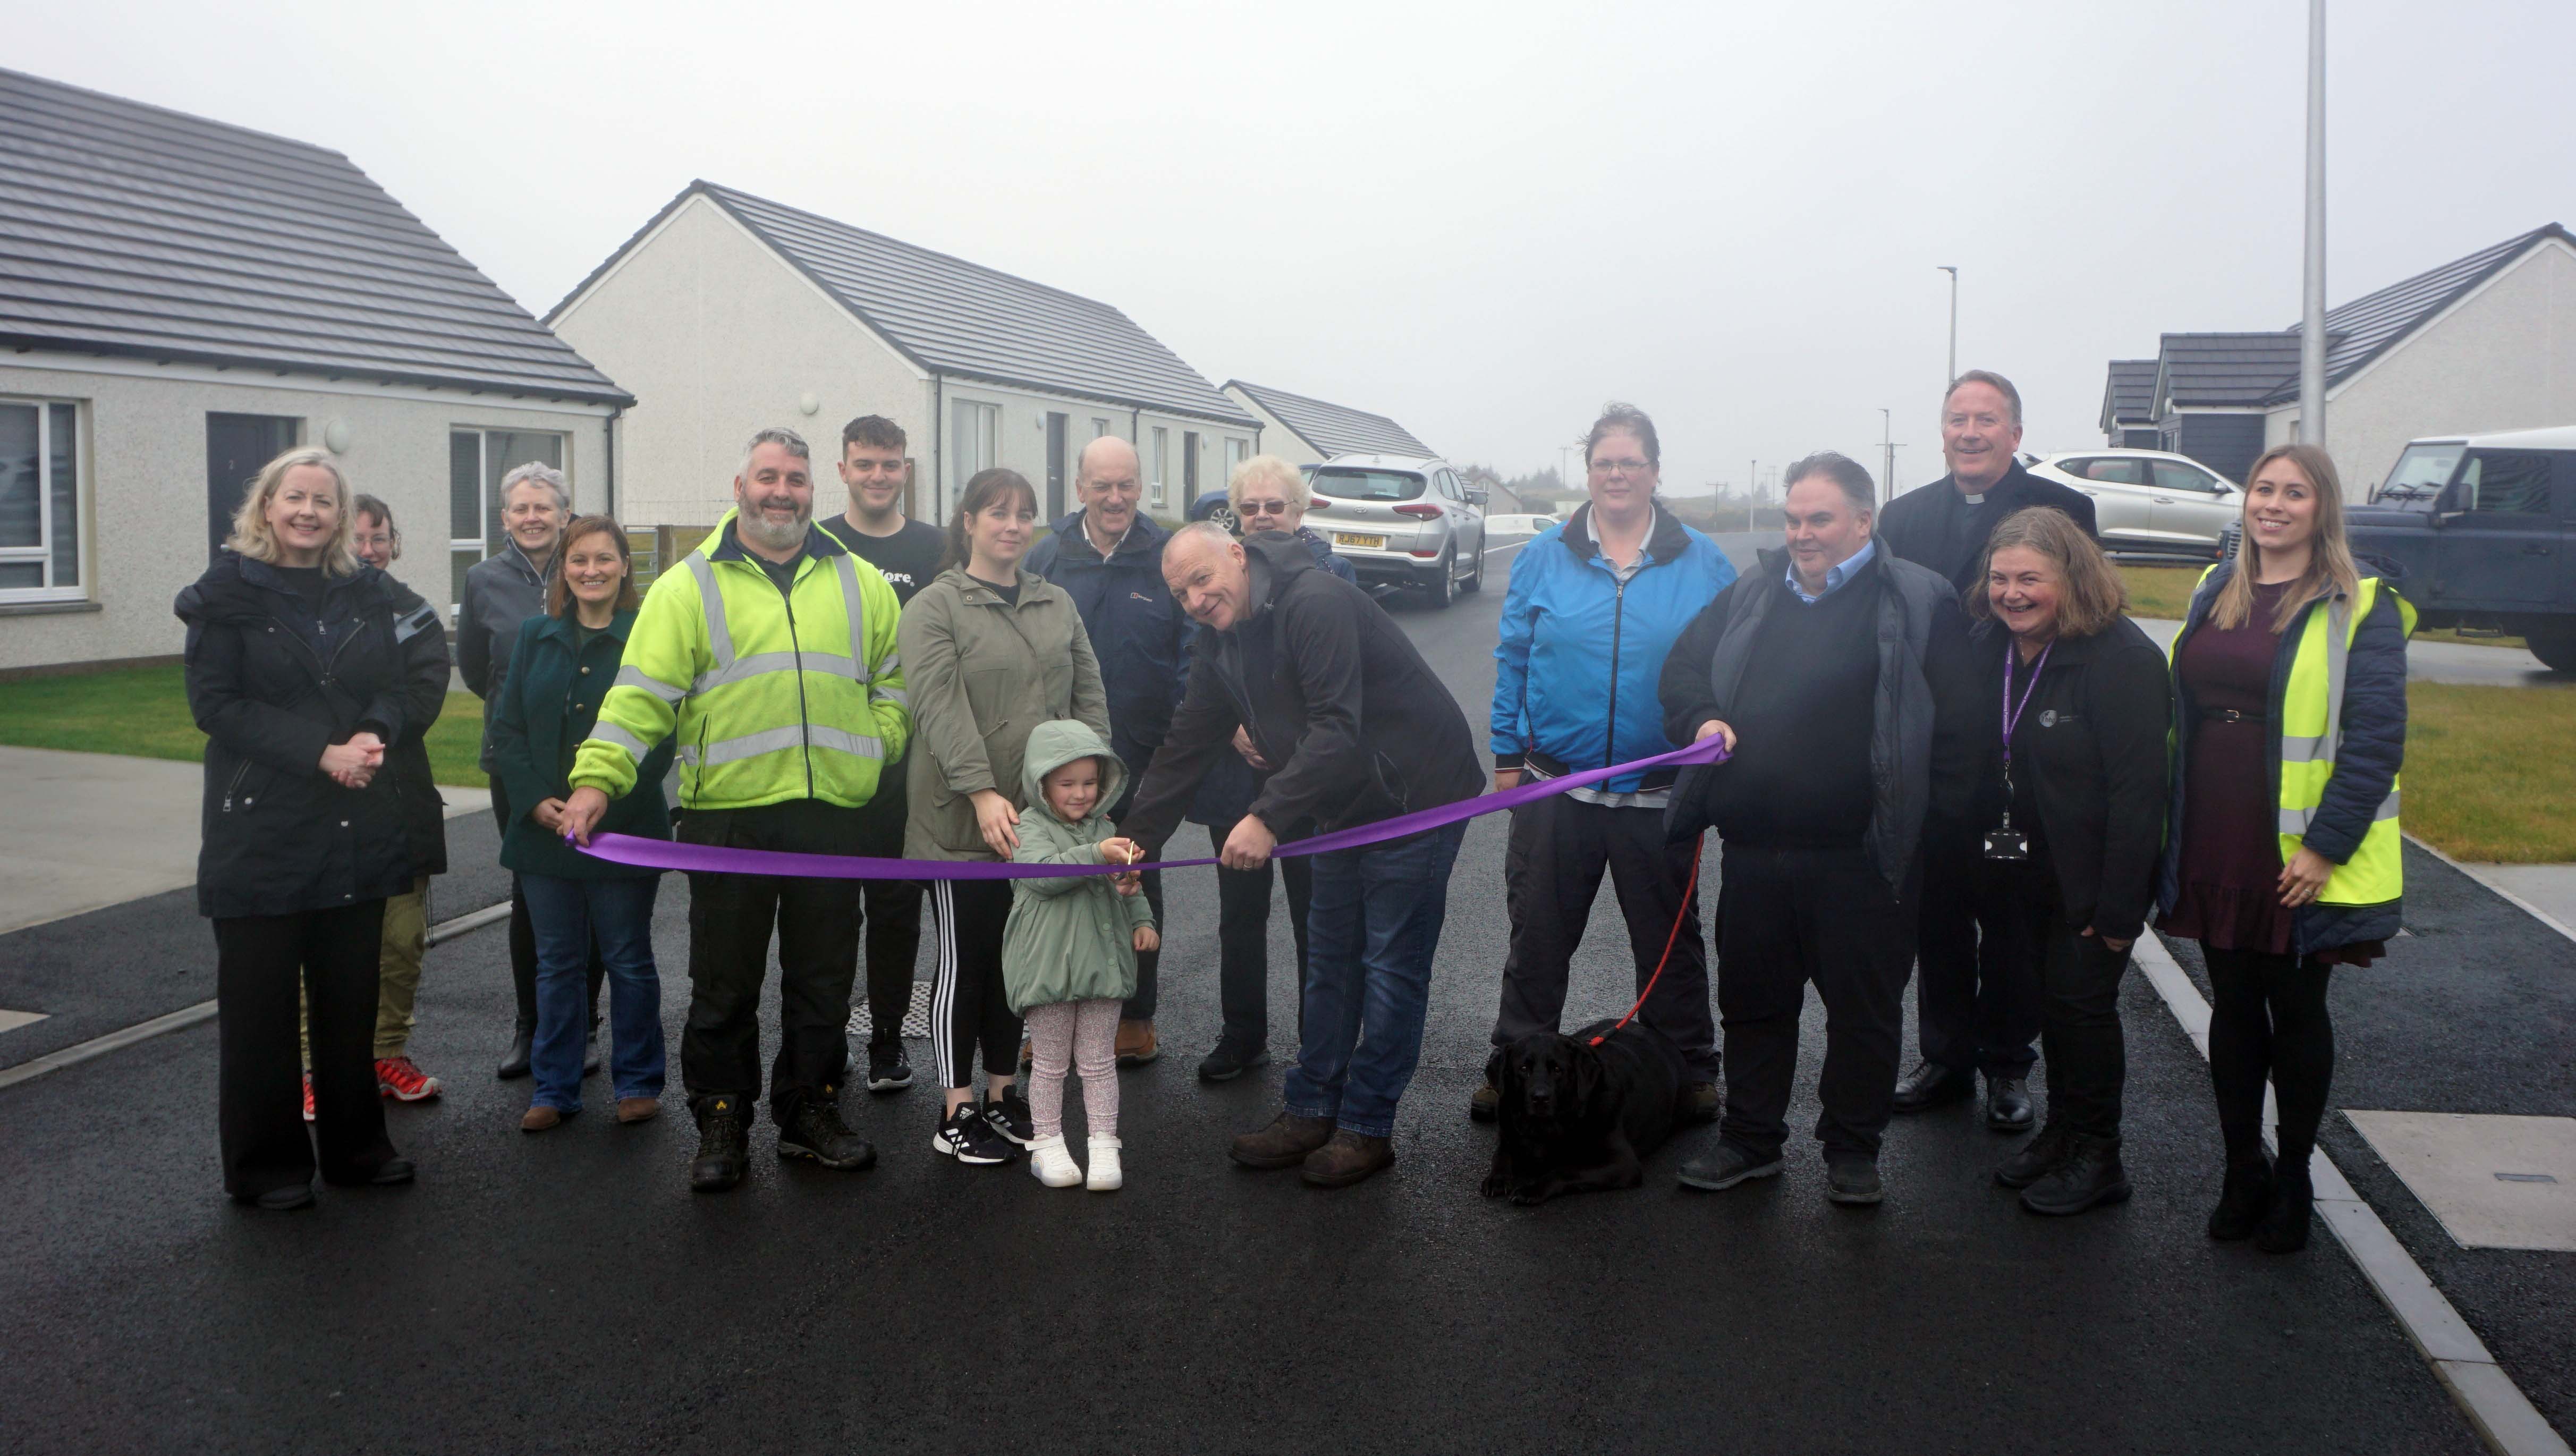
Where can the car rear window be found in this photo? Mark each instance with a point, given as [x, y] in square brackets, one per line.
[1367, 485]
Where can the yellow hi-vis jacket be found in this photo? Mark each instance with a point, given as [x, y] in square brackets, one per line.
[773, 695]
[2312, 732]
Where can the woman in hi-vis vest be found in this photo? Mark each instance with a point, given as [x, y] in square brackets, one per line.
[2282, 854]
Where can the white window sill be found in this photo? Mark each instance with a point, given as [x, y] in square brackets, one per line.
[46, 609]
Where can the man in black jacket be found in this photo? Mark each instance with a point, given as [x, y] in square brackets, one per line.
[1328, 688]
[1108, 557]
[1838, 677]
[1976, 1010]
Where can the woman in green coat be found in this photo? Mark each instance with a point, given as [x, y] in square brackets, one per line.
[562, 665]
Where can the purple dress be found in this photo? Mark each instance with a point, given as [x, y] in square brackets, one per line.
[2230, 896]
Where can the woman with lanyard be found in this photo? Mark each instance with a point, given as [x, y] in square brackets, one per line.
[502, 591]
[2283, 857]
[2074, 809]
[989, 652]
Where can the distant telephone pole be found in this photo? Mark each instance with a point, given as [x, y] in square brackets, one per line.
[1952, 270]
[1752, 488]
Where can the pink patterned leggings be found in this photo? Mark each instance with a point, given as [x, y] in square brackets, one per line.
[1086, 1034]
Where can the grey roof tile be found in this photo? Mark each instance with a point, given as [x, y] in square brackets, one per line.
[1331, 428]
[2224, 371]
[2367, 327]
[130, 229]
[2130, 392]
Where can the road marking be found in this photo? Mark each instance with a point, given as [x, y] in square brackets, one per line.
[12, 1020]
[187, 1016]
[2503, 1415]
[2519, 903]
[1524, 541]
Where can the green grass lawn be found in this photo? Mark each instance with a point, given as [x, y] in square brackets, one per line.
[2165, 591]
[2488, 775]
[143, 711]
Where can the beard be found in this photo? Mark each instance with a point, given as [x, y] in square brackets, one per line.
[758, 529]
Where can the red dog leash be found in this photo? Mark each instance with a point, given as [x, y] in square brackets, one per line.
[1670, 941]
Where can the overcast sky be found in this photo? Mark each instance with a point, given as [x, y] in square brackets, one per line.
[1483, 220]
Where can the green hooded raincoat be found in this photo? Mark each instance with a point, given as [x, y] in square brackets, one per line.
[1070, 939]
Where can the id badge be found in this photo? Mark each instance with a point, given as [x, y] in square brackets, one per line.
[2007, 843]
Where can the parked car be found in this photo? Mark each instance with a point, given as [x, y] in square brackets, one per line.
[1519, 525]
[2479, 526]
[1401, 520]
[2150, 500]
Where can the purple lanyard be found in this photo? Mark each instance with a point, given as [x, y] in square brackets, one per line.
[2012, 715]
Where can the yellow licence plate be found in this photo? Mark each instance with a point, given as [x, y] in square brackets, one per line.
[1364, 543]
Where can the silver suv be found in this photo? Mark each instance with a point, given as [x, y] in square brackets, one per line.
[2150, 500]
[1402, 520]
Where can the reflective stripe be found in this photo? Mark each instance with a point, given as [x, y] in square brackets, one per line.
[2302, 750]
[752, 745]
[759, 663]
[893, 664]
[2295, 821]
[631, 676]
[858, 745]
[891, 695]
[719, 636]
[856, 607]
[608, 732]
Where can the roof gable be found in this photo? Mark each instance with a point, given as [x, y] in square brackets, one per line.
[133, 230]
[2366, 327]
[2129, 394]
[1333, 429]
[2223, 371]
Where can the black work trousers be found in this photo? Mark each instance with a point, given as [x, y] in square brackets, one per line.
[731, 918]
[260, 962]
[1552, 871]
[2079, 987]
[1977, 1006]
[523, 936]
[890, 910]
[1243, 939]
[1788, 917]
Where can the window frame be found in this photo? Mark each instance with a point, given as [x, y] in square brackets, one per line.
[486, 546]
[42, 554]
[1162, 464]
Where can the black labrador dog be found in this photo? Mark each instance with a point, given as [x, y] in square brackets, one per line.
[1576, 1117]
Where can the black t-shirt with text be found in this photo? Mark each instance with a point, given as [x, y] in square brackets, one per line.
[908, 559]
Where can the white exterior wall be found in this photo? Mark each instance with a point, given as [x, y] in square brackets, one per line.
[1276, 438]
[2502, 359]
[717, 336]
[1021, 440]
[143, 466]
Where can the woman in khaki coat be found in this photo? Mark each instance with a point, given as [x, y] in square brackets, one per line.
[989, 653]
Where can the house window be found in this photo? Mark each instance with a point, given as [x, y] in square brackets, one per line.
[1236, 452]
[1162, 463]
[974, 441]
[1099, 428]
[476, 461]
[40, 501]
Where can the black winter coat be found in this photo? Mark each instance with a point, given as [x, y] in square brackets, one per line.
[1137, 628]
[281, 836]
[2090, 747]
[1330, 690]
[1922, 525]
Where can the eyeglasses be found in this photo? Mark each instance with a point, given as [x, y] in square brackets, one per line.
[1265, 508]
[1620, 467]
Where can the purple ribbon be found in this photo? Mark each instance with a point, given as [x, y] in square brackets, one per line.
[666, 854]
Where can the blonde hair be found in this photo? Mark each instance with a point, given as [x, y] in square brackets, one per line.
[253, 537]
[2331, 570]
[1269, 470]
[2094, 594]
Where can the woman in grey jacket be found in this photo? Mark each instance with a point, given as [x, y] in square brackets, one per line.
[989, 651]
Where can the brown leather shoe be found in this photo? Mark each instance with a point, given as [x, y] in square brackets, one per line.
[1136, 1044]
[1351, 1157]
[1702, 1102]
[638, 1109]
[538, 1119]
[1284, 1143]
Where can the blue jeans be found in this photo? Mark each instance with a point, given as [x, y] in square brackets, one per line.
[567, 916]
[1371, 930]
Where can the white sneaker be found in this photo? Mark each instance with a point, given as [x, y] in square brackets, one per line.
[1106, 1175]
[1054, 1166]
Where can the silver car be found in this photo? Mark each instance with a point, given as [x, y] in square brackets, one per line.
[2150, 500]
[1401, 520]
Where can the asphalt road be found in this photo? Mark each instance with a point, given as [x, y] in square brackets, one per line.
[567, 1292]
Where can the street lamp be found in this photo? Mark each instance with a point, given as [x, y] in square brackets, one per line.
[2312, 320]
[1952, 377]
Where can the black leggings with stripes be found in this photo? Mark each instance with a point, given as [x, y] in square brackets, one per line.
[968, 1005]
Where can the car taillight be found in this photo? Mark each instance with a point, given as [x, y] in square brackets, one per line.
[1427, 513]
[1316, 503]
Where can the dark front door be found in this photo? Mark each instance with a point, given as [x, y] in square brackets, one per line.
[1055, 466]
[236, 447]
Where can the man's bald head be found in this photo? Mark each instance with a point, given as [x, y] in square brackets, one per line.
[1105, 483]
[1206, 569]
[1104, 457]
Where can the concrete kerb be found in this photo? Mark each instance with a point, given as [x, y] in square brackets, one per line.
[2503, 1416]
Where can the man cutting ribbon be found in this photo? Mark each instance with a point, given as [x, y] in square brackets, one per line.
[1330, 691]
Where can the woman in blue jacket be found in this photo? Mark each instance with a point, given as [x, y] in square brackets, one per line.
[560, 667]
[1593, 609]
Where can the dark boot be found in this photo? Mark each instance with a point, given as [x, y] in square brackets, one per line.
[523, 1044]
[2284, 1229]
[2089, 1174]
[1930, 1085]
[1284, 1143]
[2242, 1201]
[814, 1130]
[2008, 1106]
[2036, 1157]
[1351, 1157]
[724, 1147]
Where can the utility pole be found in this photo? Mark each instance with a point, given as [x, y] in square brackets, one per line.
[1887, 456]
[2312, 328]
[1953, 271]
[1752, 487]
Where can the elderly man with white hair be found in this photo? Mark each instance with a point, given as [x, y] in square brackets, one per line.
[1325, 686]
[1107, 557]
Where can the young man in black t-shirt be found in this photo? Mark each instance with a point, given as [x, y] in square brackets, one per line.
[908, 553]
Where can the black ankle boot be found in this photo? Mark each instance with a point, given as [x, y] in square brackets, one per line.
[2284, 1229]
[522, 1044]
[2242, 1201]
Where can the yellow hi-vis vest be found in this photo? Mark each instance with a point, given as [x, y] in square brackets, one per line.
[773, 696]
[2311, 729]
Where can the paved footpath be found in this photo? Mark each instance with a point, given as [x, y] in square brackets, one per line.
[568, 1292]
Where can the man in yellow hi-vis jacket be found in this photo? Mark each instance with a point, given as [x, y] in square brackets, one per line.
[770, 653]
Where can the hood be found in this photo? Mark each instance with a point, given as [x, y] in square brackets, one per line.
[1060, 741]
[1666, 544]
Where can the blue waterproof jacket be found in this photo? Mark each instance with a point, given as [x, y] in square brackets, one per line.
[1137, 628]
[1575, 673]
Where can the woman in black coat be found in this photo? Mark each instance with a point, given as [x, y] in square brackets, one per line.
[300, 662]
[2073, 811]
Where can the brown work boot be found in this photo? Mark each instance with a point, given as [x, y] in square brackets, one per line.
[1136, 1044]
[1349, 1158]
[638, 1109]
[1284, 1143]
